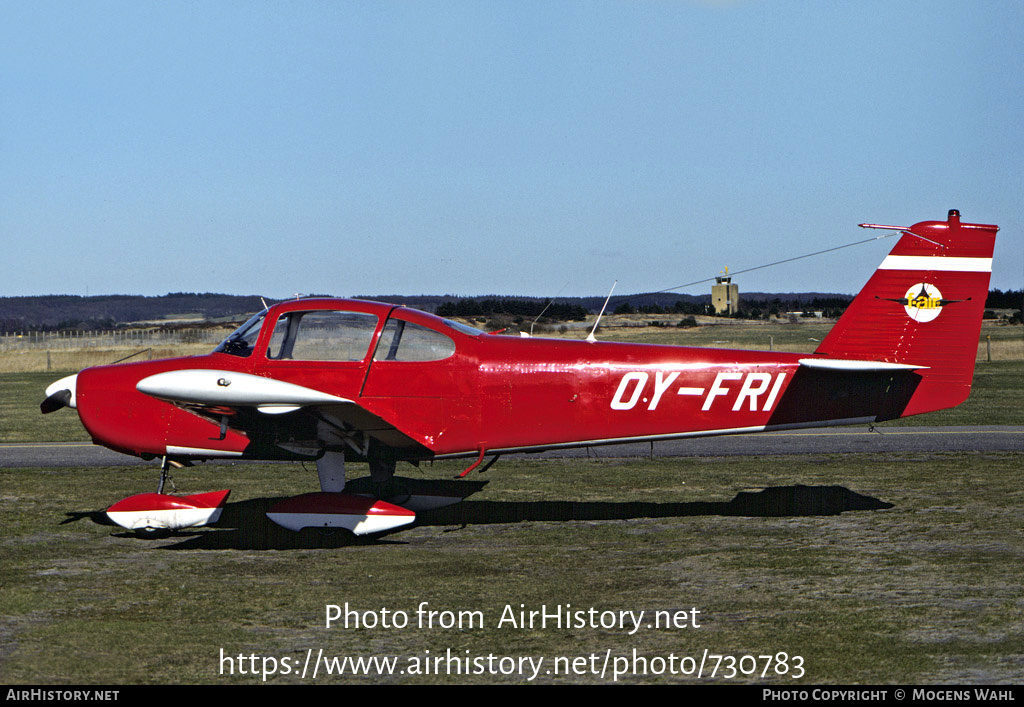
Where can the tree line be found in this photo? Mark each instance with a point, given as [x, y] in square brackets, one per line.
[65, 312]
[492, 306]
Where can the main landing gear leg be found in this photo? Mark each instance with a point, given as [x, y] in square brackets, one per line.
[331, 470]
[382, 470]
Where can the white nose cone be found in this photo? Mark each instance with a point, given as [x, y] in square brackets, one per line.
[67, 383]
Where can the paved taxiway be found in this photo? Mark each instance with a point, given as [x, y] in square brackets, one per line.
[832, 440]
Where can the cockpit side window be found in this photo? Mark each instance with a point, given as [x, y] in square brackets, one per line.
[243, 339]
[405, 341]
[322, 335]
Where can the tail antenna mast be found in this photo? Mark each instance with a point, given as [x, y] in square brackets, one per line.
[901, 229]
[590, 337]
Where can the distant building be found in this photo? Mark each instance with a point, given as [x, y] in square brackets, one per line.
[725, 296]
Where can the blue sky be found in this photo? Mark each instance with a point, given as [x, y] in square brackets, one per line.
[496, 147]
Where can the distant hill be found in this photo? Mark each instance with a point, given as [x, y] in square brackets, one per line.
[50, 312]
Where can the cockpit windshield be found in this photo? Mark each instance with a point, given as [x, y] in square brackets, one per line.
[242, 339]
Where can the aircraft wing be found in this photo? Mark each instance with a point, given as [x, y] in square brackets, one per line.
[252, 403]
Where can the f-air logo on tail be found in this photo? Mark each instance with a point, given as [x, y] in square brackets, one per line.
[923, 302]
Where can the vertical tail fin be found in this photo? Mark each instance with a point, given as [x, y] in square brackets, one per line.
[923, 306]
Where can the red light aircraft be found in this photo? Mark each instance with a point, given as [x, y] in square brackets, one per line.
[336, 380]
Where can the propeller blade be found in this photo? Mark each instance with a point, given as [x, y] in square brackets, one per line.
[60, 399]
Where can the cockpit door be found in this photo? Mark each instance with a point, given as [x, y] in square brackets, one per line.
[417, 372]
[325, 349]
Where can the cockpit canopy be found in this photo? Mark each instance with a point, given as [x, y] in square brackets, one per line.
[343, 335]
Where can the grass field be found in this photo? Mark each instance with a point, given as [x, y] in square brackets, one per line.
[20, 419]
[922, 586]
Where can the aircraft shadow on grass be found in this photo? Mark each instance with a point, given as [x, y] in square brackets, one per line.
[244, 525]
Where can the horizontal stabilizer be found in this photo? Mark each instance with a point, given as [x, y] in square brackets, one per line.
[844, 364]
